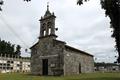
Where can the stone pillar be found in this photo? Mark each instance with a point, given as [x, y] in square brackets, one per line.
[47, 30]
[1, 62]
[42, 26]
[53, 28]
[6, 63]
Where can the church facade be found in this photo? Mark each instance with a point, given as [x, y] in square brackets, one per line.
[50, 56]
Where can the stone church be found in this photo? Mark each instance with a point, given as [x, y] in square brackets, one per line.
[50, 56]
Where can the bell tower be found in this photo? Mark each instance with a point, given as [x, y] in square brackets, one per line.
[47, 24]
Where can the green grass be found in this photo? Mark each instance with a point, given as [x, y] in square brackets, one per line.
[93, 76]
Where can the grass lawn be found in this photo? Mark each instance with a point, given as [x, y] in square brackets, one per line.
[93, 76]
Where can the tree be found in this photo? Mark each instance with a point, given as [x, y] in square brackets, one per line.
[1, 3]
[18, 52]
[112, 9]
[8, 49]
[27, 0]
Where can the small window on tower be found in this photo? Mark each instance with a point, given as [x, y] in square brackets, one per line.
[49, 31]
[44, 33]
[43, 27]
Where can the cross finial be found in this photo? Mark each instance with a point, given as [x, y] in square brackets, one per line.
[47, 6]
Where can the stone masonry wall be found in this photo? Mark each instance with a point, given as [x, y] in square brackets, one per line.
[76, 63]
[49, 49]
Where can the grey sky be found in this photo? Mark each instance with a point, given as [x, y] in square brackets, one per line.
[84, 27]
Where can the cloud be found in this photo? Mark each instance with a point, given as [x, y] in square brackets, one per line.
[84, 27]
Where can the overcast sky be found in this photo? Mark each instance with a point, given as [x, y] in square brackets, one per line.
[84, 27]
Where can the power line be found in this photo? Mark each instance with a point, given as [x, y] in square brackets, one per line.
[12, 30]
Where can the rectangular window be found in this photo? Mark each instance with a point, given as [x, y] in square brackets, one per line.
[11, 61]
[8, 64]
[28, 65]
[11, 68]
[8, 61]
[18, 65]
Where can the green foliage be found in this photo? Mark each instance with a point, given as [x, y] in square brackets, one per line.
[112, 9]
[17, 52]
[1, 3]
[106, 64]
[79, 2]
[8, 49]
[27, 0]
